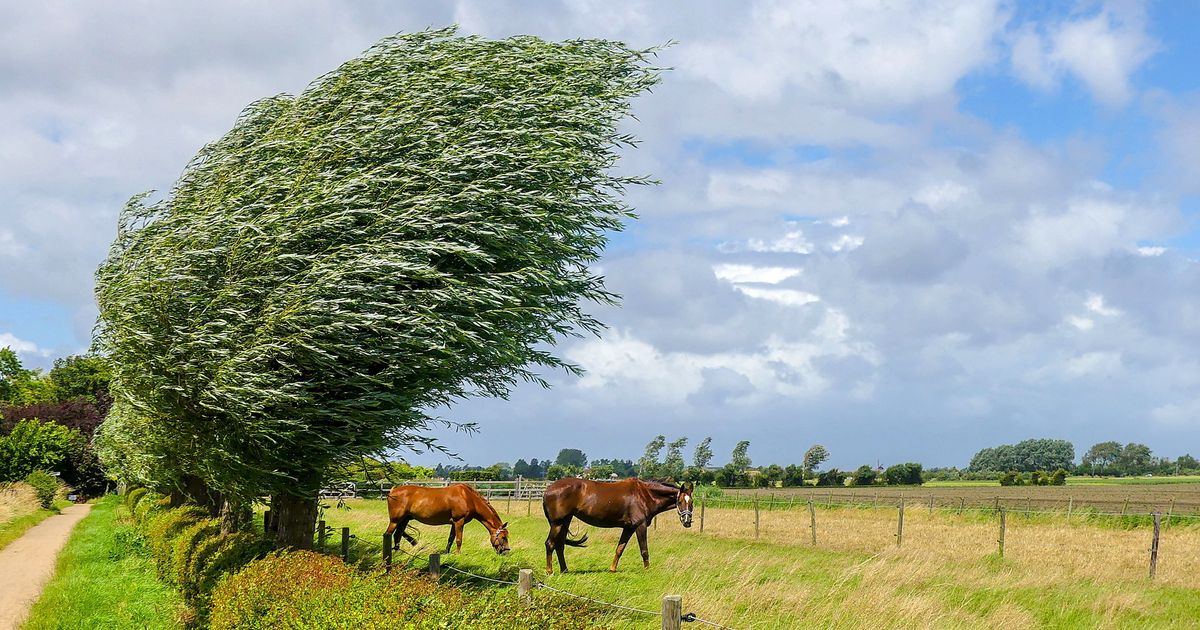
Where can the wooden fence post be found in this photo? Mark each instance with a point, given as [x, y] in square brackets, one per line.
[900, 525]
[435, 565]
[1125, 507]
[1170, 509]
[1070, 507]
[529, 505]
[997, 504]
[1002, 519]
[756, 517]
[875, 501]
[672, 612]
[1154, 548]
[525, 585]
[321, 534]
[387, 552]
[345, 544]
[701, 514]
[812, 515]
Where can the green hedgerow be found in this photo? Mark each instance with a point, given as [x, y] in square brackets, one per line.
[135, 495]
[232, 552]
[147, 506]
[185, 545]
[46, 486]
[161, 530]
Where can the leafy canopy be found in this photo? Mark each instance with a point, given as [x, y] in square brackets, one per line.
[414, 228]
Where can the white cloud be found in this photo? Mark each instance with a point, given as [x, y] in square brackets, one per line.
[792, 241]
[1102, 51]
[1095, 304]
[1151, 251]
[749, 273]
[1082, 323]
[786, 297]
[1182, 414]
[846, 242]
[22, 347]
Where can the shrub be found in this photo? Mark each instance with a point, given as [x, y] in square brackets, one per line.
[1058, 478]
[831, 477]
[232, 552]
[135, 495]
[34, 445]
[185, 545]
[45, 485]
[161, 530]
[147, 506]
[908, 474]
[864, 476]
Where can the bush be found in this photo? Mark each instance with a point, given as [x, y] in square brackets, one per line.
[1058, 478]
[148, 506]
[185, 546]
[1012, 478]
[45, 485]
[34, 445]
[831, 477]
[908, 474]
[864, 476]
[302, 589]
[135, 495]
[161, 530]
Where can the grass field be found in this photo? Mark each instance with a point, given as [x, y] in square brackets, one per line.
[1136, 495]
[947, 574]
[104, 579]
[19, 511]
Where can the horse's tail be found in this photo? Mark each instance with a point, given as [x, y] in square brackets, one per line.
[576, 542]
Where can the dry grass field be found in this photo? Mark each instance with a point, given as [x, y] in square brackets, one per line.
[946, 574]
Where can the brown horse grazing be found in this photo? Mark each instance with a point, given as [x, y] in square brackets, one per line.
[454, 505]
[630, 504]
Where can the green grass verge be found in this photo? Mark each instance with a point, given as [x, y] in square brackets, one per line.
[105, 579]
[17, 527]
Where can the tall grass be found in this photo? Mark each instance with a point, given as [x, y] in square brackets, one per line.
[20, 510]
[947, 574]
[105, 579]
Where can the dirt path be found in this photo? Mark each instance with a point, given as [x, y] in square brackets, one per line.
[27, 563]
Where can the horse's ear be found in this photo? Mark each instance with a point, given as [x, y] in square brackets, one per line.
[504, 526]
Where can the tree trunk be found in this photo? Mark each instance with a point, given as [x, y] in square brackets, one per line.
[197, 491]
[294, 519]
[234, 517]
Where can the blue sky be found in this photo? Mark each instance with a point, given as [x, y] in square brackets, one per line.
[905, 230]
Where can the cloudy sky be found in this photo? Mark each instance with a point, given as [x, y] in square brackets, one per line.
[905, 230]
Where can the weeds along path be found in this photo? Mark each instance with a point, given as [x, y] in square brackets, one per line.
[28, 563]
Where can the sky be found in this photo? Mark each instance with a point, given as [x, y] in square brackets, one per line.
[904, 230]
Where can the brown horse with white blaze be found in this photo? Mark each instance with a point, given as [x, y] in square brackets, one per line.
[454, 505]
[630, 504]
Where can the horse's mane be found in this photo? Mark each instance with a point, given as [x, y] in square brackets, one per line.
[662, 482]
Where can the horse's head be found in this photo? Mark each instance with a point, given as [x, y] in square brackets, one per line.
[683, 503]
[500, 539]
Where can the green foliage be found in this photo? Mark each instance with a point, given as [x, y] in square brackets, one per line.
[813, 457]
[416, 227]
[864, 476]
[649, 466]
[907, 474]
[559, 471]
[703, 454]
[19, 386]
[150, 505]
[80, 375]
[672, 466]
[740, 458]
[1058, 477]
[308, 590]
[1025, 456]
[600, 471]
[184, 546]
[134, 496]
[161, 530]
[45, 485]
[572, 457]
[793, 475]
[1012, 478]
[831, 477]
[34, 445]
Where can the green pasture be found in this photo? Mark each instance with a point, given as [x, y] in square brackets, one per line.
[744, 583]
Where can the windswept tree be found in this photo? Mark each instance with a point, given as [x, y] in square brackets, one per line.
[648, 465]
[572, 457]
[703, 454]
[673, 465]
[813, 457]
[415, 227]
[740, 459]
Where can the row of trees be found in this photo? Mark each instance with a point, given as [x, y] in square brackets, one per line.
[47, 420]
[1104, 458]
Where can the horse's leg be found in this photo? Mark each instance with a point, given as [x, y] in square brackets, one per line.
[458, 532]
[625, 534]
[561, 544]
[641, 534]
[450, 540]
[551, 544]
[402, 527]
[391, 530]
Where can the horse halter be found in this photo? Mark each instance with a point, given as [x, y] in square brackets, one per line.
[685, 510]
